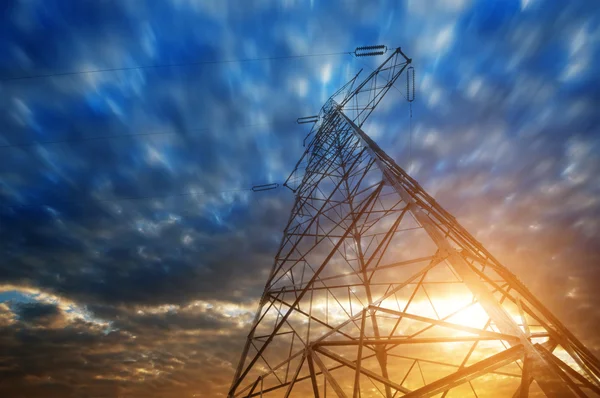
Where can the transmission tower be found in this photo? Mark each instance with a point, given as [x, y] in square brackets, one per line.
[376, 291]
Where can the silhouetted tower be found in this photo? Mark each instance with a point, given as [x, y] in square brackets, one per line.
[376, 291]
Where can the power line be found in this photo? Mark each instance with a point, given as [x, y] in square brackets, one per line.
[101, 137]
[175, 195]
[83, 139]
[156, 66]
[106, 137]
[152, 197]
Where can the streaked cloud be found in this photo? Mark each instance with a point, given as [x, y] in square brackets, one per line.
[154, 296]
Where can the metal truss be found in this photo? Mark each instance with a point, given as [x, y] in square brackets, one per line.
[376, 291]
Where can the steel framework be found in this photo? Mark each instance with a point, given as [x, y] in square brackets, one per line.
[378, 291]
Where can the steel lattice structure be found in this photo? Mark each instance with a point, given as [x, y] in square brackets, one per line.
[378, 291]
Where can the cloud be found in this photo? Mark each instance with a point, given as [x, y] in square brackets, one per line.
[40, 314]
[145, 350]
[153, 296]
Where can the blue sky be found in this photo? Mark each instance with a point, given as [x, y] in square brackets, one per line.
[153, 296]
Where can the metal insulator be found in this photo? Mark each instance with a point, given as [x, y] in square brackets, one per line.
[410, 71]
[265, 187]
[359, 50]
[370, 54]
[308, 119]
[370, 47]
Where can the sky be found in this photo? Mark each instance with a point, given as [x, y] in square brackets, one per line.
[133, 251]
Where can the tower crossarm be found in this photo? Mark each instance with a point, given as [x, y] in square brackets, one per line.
[358, 103]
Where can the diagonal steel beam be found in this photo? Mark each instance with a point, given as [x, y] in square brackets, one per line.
[385, 381]
[550, 382]
[469, 373]
[334, 384]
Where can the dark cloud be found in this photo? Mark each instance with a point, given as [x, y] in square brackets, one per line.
[156, 265]
[136, 355]
[40, 314]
